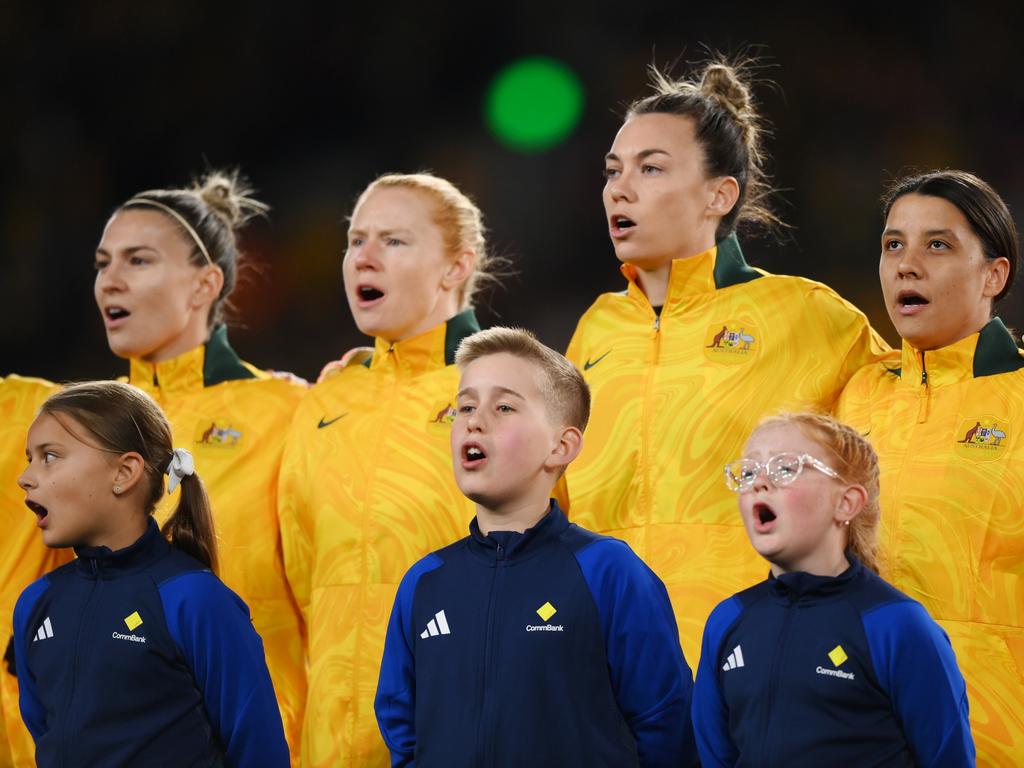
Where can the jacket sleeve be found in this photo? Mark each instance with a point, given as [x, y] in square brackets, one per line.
[32, 711]
[651, 680]
[296, 530]
[916, 666]
[710, 711]
[395, 703]
[212, 627]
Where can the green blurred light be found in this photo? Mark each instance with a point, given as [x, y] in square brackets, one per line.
[533, 104]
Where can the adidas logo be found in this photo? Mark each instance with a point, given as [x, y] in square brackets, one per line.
[45, 630]
[734, 660]
[436, 626]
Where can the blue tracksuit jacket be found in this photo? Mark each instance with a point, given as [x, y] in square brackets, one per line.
[817, 671]
[555, 647]
[142, 657]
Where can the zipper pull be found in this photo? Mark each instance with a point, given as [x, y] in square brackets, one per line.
[657, 323]
[501, 552]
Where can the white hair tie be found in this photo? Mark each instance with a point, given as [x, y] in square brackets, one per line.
[181, 466]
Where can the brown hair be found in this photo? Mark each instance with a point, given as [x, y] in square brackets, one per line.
[565, 391]
[122, 418]
[981, 205]
[728, 128]
[461, 223]
[216, 206]
[856, 461]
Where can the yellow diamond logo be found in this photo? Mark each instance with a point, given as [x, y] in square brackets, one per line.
[133, 621]
[546, 611]
[838, 655]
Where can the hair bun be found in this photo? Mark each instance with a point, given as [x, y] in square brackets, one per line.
[722, 83]
[227, 195]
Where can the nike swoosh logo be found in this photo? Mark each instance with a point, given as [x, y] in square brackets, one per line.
[591, 363]
[324, 423]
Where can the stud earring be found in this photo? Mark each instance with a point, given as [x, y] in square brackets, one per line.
[117, 489]
[846, 522]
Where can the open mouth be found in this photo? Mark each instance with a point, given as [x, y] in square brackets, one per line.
[763, 515]
[368, 293]
[472, 455]
[39, 510]
[621, 224]
[115, 313]
[911, 301]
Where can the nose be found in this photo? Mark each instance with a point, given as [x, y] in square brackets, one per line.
[620, 188]
[475, 422]
[26, 481]
[365, 256]
[108, 279]
[909, 264]
[761, 481]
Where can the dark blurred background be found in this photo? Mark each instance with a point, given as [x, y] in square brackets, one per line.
[104, 99]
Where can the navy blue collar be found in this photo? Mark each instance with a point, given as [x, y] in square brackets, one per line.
[102, 562]
[512, 545]
[800, 585]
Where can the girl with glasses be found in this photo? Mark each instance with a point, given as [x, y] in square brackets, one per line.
[945, 413]
[823, 663]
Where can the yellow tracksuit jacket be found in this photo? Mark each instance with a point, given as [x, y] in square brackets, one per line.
[676, 395]
[367, 489]
[23, 557]
[948, 426]
[234, 418]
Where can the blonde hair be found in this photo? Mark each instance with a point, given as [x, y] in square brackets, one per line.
[852, 456]
[460, 221]
[565, 391]
[728, 127]
[214, 209]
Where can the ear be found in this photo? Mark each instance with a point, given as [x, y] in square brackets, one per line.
[129, 469]
[725, 191]
[997, 272]
[568, 447]
[459, 270]
[208, 286]
[851, 502]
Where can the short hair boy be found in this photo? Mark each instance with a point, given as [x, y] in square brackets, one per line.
[531, 641]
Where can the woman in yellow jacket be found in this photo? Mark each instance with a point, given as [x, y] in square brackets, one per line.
[165, 268]
[366, 482]
[23, 557]
[945, 414]
[700, 346]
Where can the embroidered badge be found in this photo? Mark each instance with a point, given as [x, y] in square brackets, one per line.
[982, 438]
[731, 342]
[444, 415]
[210, 433]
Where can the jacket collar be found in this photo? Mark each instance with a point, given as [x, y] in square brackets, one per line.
[211, 363]
[432, 349]
[513, 546]
[800, 585]
[721, 266]
[102, 562]
[990, 352]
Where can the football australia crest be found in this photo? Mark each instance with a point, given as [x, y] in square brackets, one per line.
[983, 438]
[443, 416]
[734, 342]
[214, 434]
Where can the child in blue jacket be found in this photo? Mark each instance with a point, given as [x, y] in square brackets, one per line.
[824, 663]
[531, 641]
[134, 654]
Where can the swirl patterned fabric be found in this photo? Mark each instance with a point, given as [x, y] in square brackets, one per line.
[367, 490]
[23, 556]
[952, 532]
[677, 395]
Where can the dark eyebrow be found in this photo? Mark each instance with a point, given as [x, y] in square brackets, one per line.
[129, 251]
[641, 155]
[929, 233]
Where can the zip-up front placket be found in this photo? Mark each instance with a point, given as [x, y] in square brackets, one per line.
[80, 649]
[767, 747]
[646, 415]
[926, 394]
[487, 724]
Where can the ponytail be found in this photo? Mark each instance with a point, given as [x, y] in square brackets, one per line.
[190, 528]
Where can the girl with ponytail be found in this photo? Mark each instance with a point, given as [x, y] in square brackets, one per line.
[839, 667]
[135, 653]
[166, 267]
[685, 361]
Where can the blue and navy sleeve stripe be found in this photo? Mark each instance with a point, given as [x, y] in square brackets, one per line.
[651, 680]
[710, 712]
[395, 703]
[212, 627]
[32, 711]
[915, 664]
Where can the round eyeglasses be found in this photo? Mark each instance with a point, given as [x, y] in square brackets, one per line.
[782, 469]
